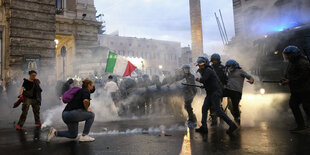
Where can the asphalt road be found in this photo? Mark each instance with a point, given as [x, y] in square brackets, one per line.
[158, 136]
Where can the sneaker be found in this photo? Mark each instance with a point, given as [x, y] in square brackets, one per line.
[18, 127]
[202, 130]
[86, 138]
[232, 129]
[51, 134]
[38, 124]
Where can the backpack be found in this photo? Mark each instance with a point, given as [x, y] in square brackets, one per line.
[68, 95]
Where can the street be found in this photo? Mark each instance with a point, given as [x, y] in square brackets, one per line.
[158, 136]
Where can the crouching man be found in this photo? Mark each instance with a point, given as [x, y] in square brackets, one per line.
[77, 111]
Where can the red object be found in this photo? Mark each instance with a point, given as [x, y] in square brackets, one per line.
[18, 127]
[38, 123]
[20, 100]
[129, 69]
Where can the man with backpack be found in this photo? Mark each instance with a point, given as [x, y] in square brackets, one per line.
[77, 110]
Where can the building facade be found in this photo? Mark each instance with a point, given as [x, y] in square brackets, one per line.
[33, 33]
[149, 55]
[186, 56]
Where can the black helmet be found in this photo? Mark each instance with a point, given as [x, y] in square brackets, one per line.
[186, 66]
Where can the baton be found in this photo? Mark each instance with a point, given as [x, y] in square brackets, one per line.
[192, 85]
[279, 81]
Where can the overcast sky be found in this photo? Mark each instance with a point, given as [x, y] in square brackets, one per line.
[165, 20]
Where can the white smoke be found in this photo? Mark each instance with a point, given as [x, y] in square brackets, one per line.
[151, 130]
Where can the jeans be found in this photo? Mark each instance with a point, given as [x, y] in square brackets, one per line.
[72, 119]
[213, 99]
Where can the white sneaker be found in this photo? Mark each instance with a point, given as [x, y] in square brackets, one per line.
[51, 134]
[86, 138]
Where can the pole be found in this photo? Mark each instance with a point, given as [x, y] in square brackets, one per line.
[224, 26]
[218, 24]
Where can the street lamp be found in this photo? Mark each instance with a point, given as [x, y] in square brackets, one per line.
[63, 53]
[160, 67]
[142, 67]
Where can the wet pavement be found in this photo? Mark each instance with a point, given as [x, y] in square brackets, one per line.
[158, 136]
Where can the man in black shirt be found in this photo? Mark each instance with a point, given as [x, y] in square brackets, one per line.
[32, 92]
[77, 111]
[220, 72]
[214, 91]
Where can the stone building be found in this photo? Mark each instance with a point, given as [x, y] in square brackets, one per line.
[151, 56]
[186, 56]
[30, 30]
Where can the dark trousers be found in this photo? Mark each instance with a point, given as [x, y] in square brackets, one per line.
[25, 107]
[213, 99]
[189, 109]
[295, 101]
[235, 99]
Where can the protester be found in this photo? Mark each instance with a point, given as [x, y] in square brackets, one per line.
[66, 86]
[77, 111]
[31, 90]
[112, 89]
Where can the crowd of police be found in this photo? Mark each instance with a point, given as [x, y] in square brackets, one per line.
[219, 81]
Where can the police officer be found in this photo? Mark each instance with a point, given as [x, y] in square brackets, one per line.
[214, 91]
[189, 94]
[233, 90]
[298, 80]
[220, 72]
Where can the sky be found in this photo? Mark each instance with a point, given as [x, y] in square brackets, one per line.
[165, 20]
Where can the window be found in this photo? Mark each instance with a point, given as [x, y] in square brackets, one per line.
[121, 53]
[140, 54]
[129, 44]
[59, 4]
[130, 53]
[121, 44]
[111, 42]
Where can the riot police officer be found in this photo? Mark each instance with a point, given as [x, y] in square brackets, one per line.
[214, 91]
[189, 94]
[220, 72]
[298, 80]
[233, 90]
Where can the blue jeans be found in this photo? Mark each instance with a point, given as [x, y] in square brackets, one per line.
[72, 119]
[213, 100]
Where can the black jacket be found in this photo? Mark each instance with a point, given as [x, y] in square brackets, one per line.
[220, 71]
[298, 73]
[210, 80]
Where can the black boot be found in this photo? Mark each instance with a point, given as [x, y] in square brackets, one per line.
[299, 128]
[202, 129]
[237, 120]
[232, 129]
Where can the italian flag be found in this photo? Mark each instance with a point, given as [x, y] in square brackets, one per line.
[119, 65]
